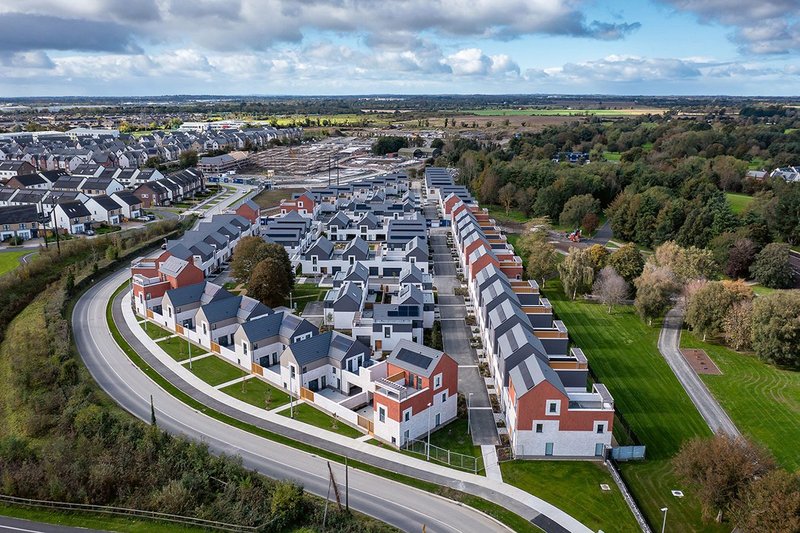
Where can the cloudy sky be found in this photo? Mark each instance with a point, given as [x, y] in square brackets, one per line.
[153, 47]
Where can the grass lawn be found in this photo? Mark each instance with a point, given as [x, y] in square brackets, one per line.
[612, 156]
[769, 411]
[255, 393]
[574, 487]
[178, 348]
[622, 351]
[303, 293]
[313, 416]
[214, 370]
[761, 290]
[10, 260]
[739, 202]
[499, 214]
[454, 437]
[272, 197]
[154, 331]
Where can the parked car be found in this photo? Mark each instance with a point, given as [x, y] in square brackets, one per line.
[89, 232]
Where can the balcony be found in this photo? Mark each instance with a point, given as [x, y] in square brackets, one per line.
[597, 400]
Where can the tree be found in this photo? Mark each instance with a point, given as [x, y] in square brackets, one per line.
[771, 267]
[687, 263]
[709, 304]
[153, 162]
[654, 290]
[589, 222]
[577, 273]
[268, 283]
[598, 255]
[542, 263]
[610, 288]
[188, 158]
[252, 250]
[627, 261]
[770, 504]
[720, 469]
[740, 258]
[507, 196]
[578, 207]
[387, 145]
[776, 328]
[737, 326]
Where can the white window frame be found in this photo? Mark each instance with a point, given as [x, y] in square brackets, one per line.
[437, 381]
[549, 411]
[407, 415]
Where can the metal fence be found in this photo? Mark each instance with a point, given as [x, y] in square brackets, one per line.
[123, 511]
[441, 455]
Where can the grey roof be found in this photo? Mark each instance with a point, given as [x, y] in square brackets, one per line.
[358, 248]
[263, 327]
[411, 274]
[18, 213]
[126, 197]
[339, 220]
[106, 202]
[194, 294]
[415, 357]
[530, 373]
[221, 310]
[75, 209]
[173, 266]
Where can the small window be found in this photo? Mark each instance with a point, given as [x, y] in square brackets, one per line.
[437, 381]
[444, 396]
[406, 415]
[382, 414]
[387, 332]
[600, 429]
[539, 428]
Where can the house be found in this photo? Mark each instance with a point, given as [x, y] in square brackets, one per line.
[19, 221]
[73, 217]
[180, 305]
[249, 210]
[9, 169]
[130, 203]
[218, 165]
[152, 278]
[303, 204]
[104, 209]
[152, 194]
[419, 393]
[341, 305]
[29, 181]
[263, 340]
[318, 362]
[100, 186]
[217, 321]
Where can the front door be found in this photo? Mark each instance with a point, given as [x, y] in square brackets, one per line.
[548, 448]
[323, 382]
[598, 449]
[313, 385]
[378, 345]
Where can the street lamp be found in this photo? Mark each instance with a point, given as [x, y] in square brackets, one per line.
[469, 413]
[428, 447]
[664, 523]
[189, 344]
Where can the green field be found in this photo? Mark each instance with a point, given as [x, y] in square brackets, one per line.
[272, 197]
[738, 202]
[574, 487]
[303, 293]
[498, 112]
[154, 331]
[454, 437]
[622, 352]
[304, 412]
[178, 348]
[763, 401]
[255, 393]
[214, 370]
[10, 260]
[499, 214]
[612, 156]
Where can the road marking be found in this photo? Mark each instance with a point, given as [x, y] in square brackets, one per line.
[21, 529]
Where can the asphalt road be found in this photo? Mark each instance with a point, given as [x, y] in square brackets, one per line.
[794, 261]
[669, 346]
[394, 503]
[26, 526]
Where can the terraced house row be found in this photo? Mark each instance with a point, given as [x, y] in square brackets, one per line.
[541, 382]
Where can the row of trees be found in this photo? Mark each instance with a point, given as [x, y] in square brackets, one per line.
[734, 477]
[265, 270]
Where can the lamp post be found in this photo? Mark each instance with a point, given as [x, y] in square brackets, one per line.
[469, 413]
[291, 398]
[189, 344]
[664, 523]
[428, 447]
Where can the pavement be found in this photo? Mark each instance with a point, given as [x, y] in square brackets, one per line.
[27, 526]
[394, 503]
[455, 340]
[669, 346]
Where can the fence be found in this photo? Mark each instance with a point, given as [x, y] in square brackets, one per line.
[441, 455]
[628, 453]
[123, 511]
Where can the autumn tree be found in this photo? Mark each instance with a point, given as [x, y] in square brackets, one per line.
[590, 222]
[598, 255]
[740, 256]
[542, 262]
[577, 273]
[507, 196]
[627, 261]
[654, 290]
[720, 469]
[610, 288]
[268, 283]
[776, 328]
[707, 307]
[737, 326]
[686, 263]
[578, 207]
[770, 504]
[252, 250]
[771, 267]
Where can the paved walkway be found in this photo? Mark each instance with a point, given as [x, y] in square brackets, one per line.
[669, 346]
[455, 340]
[490, 462]
[553, 519]
[234, 381]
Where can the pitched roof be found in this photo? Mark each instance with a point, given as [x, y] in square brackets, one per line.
[74, 209]
[415, 357]
[15, 214]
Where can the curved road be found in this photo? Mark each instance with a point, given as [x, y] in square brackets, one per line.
[669, 346]
[395, 503]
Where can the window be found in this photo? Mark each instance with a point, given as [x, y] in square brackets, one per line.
[387, 332]
[205, 331]
[553, 407]
[244, 348]
[444, 396]
[539, 428]
[600, 428]
[292, 371]
[169, 310]
[437, 381]
[407, 415]
[381, 414]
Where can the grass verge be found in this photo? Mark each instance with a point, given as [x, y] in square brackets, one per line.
[258, 394]
[510, 519]
[10, 260]
[304, 412]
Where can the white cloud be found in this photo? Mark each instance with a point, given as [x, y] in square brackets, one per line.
[473, 62]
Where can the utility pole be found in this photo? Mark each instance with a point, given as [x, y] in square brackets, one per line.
[428, 447]
[346, 485]
[153, 413]
[469, 413]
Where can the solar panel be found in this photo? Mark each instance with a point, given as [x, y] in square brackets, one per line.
[413, 358]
